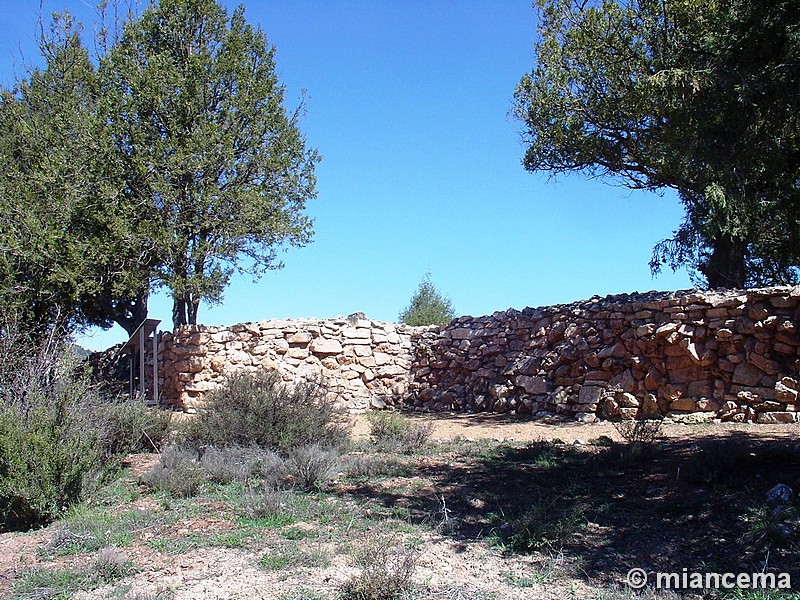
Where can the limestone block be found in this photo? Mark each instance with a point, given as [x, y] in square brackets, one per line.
[532, 385]
[223, 337]
[300, 338]
[774, 418]
[770, 367]
[590, 394]
[747, 375]
[325, 346]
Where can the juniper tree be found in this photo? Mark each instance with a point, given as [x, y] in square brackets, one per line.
[427, 306]
[696, 96]
[197, 116]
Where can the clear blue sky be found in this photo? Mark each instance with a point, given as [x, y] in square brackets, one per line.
[408, 102]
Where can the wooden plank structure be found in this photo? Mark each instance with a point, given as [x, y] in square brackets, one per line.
[136, 342]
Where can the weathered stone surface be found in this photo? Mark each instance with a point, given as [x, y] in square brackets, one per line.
[725, 353]
[326, 346]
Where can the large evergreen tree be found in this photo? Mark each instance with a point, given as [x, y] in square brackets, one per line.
[168, 160]
[71, 247]
[697, 96]
[196, 112]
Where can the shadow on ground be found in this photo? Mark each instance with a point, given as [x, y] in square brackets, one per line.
[699, 504]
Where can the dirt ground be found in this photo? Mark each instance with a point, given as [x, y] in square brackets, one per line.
[445, 563]
[450, 426]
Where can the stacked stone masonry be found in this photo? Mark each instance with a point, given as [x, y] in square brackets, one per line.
[695, 356]
[359, 361]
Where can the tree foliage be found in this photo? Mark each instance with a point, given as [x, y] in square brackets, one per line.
[196, 112]
[427, 306]
[70, 246]
[166, 160]
[692, 95]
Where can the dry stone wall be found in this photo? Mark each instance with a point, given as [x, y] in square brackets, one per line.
[730, 355]
[362, 362]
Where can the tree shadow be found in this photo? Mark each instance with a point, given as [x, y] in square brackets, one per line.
[698, 504]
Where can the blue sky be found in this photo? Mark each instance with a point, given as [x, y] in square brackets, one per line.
[408, 102]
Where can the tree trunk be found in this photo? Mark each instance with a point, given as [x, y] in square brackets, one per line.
[725, 267]
[129, 314]
[191, 310]
[178, 311]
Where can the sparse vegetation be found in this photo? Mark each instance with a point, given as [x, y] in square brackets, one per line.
[537, 513]
[643, 429]
[109, 565]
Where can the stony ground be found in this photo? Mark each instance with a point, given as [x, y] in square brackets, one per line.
[458, 508]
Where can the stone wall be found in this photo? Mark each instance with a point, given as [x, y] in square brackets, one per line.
[730, 355]
[362, 362]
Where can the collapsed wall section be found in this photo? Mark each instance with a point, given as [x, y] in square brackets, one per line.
[730, 355]
[362, 362]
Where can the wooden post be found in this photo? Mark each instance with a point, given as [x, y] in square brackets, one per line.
[130, 378]
[155, 366]
[141, 362]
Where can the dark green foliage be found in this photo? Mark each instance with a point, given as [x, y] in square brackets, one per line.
[166, 159]
[49, 450]
[72, 245]
[262, 410]
[195, 110]
[695, 96]
[427, 306]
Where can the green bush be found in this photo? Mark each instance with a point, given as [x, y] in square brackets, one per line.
[49, 446]
[129, 425]
[261, 410]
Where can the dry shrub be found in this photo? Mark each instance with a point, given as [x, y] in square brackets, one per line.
[262, 410]
[642, 430]
[394, 433]
[178, 473]
[311, 466]
[386, 568]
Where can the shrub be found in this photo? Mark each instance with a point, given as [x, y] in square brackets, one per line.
[543, 524]
[265, 502]
[641, 430]
[311, 466]
[386, 569]
[394, 433]
[179, 473]
[236, 463]
[369, 466]
[49, 450]
[128, 425]
[261, 410]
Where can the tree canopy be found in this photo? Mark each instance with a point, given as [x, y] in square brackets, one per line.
[195, 109]
[428, 306]
[696, 96]
[71, 251]
[167, 160]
